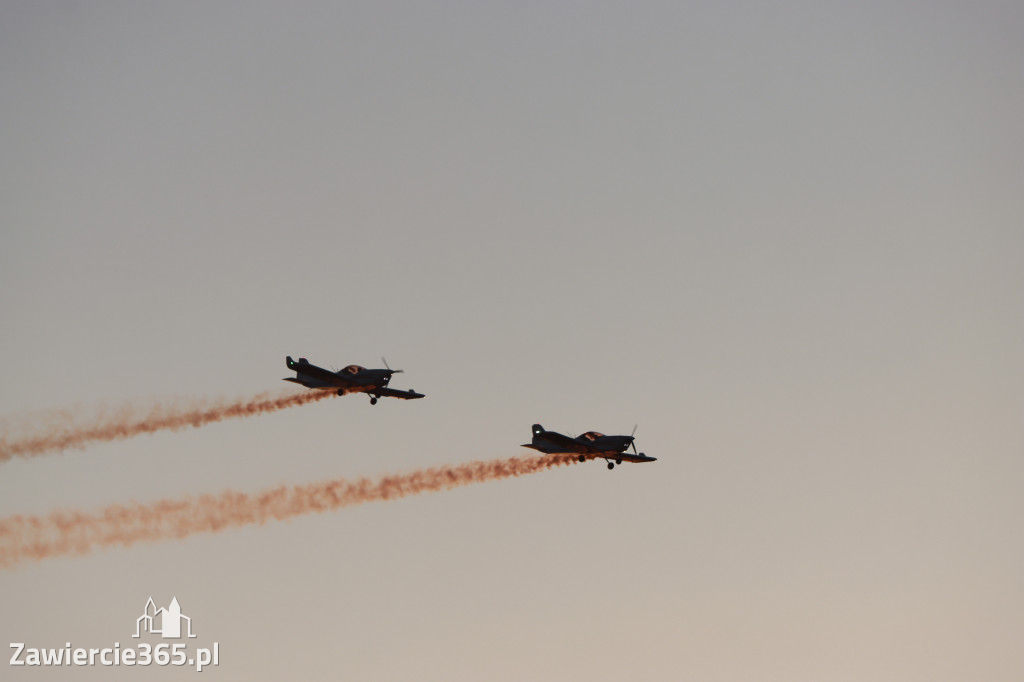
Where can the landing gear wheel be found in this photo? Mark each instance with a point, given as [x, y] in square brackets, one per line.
[373, 401]
[611, 465]
[583, 458]
[618, 461]
[341, 392]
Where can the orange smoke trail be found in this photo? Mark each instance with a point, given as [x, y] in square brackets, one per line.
[131, 421]
[76, 533]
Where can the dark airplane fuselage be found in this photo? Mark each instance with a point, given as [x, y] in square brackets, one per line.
[352, 379]
[603, 444]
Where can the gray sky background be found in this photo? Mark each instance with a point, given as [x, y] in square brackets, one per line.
[786, 239]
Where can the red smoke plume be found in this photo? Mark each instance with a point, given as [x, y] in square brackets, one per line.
[59, 432]
[75, 533]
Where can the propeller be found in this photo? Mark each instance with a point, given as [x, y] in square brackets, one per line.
[632, 435]
[393, 371]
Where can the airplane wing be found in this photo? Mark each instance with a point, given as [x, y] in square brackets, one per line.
[619, 457]
[395, 393]
[639, 459]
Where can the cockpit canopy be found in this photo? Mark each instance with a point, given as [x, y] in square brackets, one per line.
[352, 369]
[592, 435]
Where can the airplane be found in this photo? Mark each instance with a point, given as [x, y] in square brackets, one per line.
[591, 445]
[352, 379]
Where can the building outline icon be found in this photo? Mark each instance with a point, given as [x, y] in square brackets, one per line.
[170, 620]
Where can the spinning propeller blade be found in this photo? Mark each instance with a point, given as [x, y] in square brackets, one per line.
[393, 371]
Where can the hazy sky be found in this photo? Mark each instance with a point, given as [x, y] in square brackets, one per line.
[786, 239]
